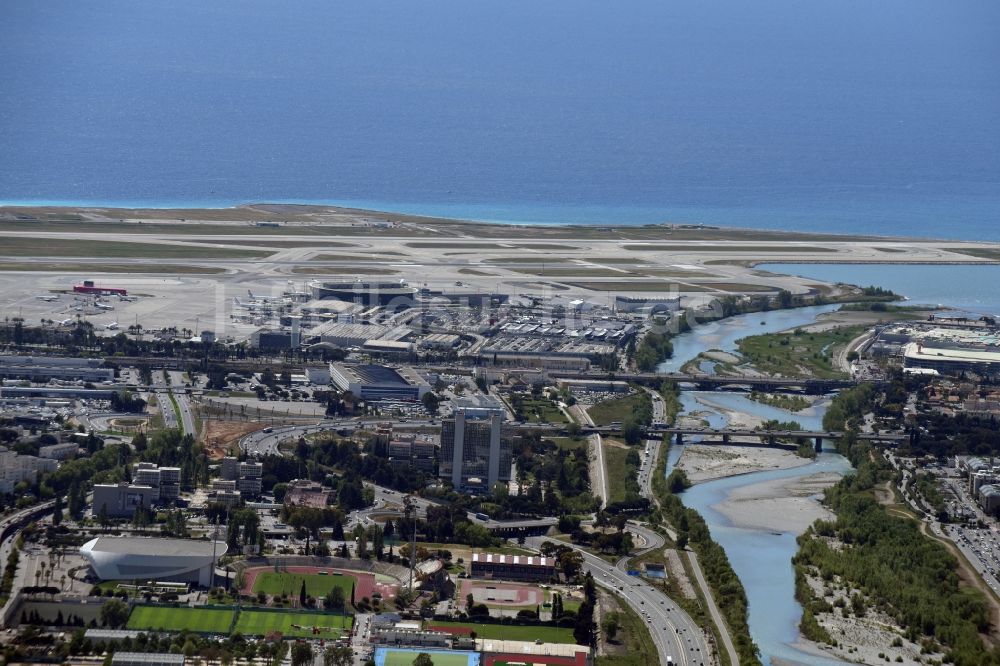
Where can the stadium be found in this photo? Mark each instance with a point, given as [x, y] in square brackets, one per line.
[137, 558]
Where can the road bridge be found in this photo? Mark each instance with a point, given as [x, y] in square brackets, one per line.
[772, 437]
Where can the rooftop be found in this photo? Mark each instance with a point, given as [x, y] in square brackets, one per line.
[154, 546]
[517, 560]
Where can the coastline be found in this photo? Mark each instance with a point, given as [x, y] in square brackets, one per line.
[412, 211]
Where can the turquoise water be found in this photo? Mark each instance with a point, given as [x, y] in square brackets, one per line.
[831, 115]
[760, 558]
[971, 289]
[723, 334]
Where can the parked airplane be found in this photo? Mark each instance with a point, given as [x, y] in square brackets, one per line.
[262, 299]
[113, 326]
[103, 306]
[66, 322]
[252, 307]
[47, 298]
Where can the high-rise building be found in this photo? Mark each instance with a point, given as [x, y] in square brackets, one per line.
[475, 449]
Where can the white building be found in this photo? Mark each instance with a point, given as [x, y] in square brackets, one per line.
[142, 558]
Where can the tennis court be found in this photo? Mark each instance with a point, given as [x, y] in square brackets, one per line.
[405, 657]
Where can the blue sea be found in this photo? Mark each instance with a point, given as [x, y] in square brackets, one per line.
[835, 115]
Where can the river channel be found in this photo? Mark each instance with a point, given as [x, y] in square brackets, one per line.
[762, 559]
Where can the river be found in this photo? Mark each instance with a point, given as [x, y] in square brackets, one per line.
[760, 558]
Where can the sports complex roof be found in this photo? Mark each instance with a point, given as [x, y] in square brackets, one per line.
[153, 546]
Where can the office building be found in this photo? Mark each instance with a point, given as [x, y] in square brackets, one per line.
[246, 475]
[166, 481]
[475, 449]
[121, 500]
[377, 382]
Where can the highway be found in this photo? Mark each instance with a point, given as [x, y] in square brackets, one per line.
[645, 475]
[187, 416]
[162, 391]
[265, 442]
[676, 636]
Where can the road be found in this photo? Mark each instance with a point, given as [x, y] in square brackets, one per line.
[187, 416]
[676, 636]
[646, 471]
[659, 408]
[162, 391]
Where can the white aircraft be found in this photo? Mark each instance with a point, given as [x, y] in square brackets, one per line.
[66, 322]
[127, 299]
[103, 306]
[253, 307]
[113, 326]
[262, 299]
[47, 298]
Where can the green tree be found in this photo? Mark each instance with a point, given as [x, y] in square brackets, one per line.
[431, 402]
[338, 656]
[335, 599]
[302, 653]
[611, 625]
[57, 511]
[678, 482]
[114, 613]
[423, 659]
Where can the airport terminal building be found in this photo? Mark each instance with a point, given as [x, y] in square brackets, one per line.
[151, 558]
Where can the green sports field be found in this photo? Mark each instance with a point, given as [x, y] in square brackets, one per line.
[260, 623]
[205, 620]
[405, 657]
[274, 583]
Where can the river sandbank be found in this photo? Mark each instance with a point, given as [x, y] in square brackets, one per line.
[707, 462]
[780, 505]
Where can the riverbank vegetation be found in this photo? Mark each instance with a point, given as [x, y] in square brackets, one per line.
[798, 353]
[885, 559]
[791, 403]
[731, 598]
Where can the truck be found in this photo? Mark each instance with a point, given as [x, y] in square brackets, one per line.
[482, 516]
